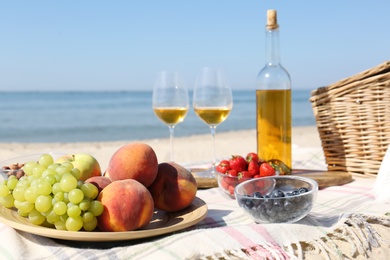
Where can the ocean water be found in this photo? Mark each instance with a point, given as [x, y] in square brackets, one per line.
[113, 116]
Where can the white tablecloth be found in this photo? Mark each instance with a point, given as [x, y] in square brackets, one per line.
[345, 221]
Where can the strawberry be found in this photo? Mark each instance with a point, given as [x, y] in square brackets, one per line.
[237, 163]
[230, 181]
[231, 190]
[233, 173]
[266, 170]
[223, 166]
[224, 184]
[252, 157]
[253, 168]
[244, 175]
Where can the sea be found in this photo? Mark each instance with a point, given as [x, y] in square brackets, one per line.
[37, 116]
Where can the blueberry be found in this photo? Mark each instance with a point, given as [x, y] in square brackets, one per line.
[268, 203]
[257, 195]
[289, 206]
[262, 214]
[302, 190]
[248, 203]
[257, 203]
[295, 198]
[294, 192]
[258, 212]
[277, 194]
[278, 205]
[271, 212]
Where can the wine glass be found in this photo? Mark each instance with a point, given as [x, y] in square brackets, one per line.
[212, 102]
[170, 101]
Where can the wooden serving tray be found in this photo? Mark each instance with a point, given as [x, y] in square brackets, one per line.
[323, 178]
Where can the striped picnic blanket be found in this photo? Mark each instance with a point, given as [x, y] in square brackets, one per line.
[346, 221]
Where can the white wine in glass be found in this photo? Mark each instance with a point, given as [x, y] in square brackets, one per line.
[170, 101]
[212, 103]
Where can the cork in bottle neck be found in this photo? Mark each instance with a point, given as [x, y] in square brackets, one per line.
[272, 21]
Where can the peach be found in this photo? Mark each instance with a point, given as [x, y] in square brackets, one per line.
[128, 206]
[174, 187]
[99, 181]
[136, 161]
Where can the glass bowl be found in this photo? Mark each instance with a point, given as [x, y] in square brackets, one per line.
[227, 183]
[7, 169]
[277, 199]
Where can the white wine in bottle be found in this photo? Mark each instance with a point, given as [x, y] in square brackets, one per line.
[273, 103]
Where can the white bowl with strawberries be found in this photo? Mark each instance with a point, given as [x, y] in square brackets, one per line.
[238, 169]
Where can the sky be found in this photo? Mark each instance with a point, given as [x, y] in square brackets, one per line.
[121, 45]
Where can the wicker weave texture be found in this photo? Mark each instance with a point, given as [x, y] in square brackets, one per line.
[353, 120]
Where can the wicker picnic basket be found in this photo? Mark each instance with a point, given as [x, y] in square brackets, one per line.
[353, 120]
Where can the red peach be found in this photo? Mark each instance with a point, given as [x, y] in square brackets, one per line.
[99, 181]
[136, 161]
[128, 206]
[174, 187]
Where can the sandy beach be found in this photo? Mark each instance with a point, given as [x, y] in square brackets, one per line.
[196, 149]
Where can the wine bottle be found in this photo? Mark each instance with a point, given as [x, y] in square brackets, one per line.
[273, 103]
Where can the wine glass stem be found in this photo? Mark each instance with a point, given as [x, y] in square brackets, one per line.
[171, 135]
[213, 129]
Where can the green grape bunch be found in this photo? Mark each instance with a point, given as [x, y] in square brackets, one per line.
[52, 195]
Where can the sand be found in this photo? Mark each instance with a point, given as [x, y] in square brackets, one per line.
[188, 150]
